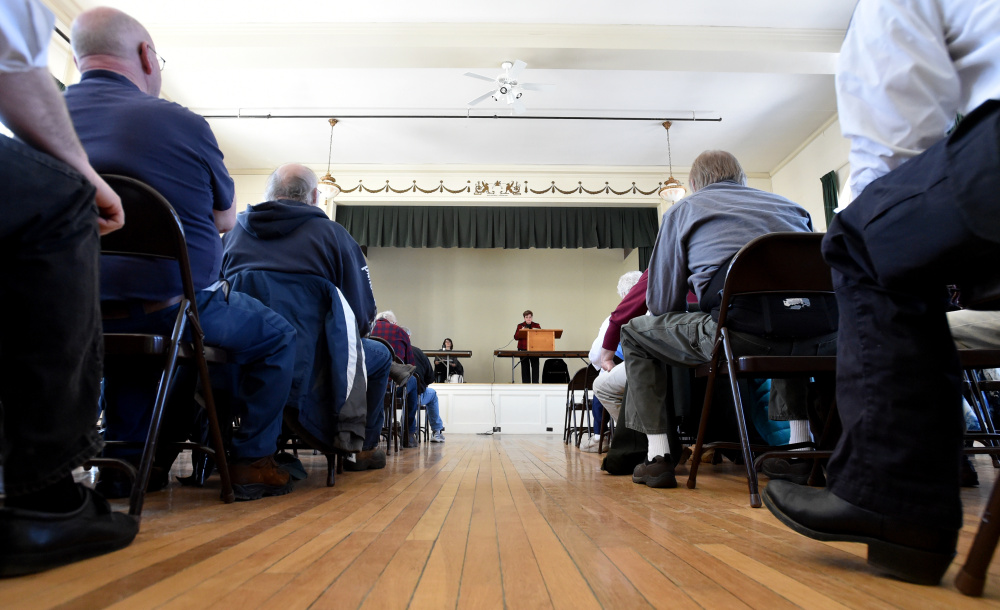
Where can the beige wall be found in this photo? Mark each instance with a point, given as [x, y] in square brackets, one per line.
[476, 296]
[798, 178]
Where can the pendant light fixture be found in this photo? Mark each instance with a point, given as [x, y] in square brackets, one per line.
[327, 185]
[672, 189]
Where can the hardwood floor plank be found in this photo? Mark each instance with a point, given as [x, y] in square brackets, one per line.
[481, 586]
[523, 584]
[788, 588]
[442, 576]
[567, 586]
[486, 521]
[658, 590]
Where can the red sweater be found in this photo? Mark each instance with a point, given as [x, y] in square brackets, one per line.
[522, 344]
[633, 305]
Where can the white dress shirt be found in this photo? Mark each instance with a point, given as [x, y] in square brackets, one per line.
[25, 31]
[907, 70]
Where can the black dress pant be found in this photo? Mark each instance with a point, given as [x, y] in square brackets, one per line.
[529, 370]
[51, 345]
[931, 222]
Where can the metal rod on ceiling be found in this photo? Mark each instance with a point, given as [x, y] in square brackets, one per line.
[454, 116]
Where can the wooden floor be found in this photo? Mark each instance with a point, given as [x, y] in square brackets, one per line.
[482, 522]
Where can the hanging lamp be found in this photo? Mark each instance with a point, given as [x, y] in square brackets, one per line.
[327, 185]
[672, 190]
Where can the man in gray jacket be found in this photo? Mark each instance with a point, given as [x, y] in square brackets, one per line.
[697, 238]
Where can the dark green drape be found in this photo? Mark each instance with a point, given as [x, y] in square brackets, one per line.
[829, 195]
[501, 227]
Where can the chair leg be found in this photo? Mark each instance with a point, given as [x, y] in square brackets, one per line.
[981, 407]
[331, 468]
[566, 428]
[741, 423]
[138, 495]
[703, 424]
[972, 577]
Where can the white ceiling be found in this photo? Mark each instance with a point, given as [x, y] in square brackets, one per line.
[764, 67]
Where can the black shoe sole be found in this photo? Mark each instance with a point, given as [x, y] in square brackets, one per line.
[667, 480]
[31, 563]
[905, 563]
[256, 491]
[798, 479]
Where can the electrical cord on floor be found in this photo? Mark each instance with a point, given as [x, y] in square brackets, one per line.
[493, 383]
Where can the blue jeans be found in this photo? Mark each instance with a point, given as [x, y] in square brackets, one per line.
[598, 410]
[377, 363]
[260, 341]
[429, 399]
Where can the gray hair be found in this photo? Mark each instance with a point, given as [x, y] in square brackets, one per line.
[291, 181]
[714, 166]
[388, 316]
[107, 31]
[627, 281]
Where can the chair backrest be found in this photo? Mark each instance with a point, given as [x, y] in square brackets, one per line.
[152, 228]
[581, 379]
[555, 371]
[781, 267]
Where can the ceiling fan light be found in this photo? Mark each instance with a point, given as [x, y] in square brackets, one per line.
[503, 89]
[672, 190]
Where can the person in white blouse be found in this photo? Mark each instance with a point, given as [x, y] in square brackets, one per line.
[918, 85]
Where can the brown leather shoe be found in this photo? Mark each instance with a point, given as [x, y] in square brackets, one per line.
[373, 459]
[255, 478]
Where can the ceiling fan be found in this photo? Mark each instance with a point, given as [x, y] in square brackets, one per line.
[506, 88]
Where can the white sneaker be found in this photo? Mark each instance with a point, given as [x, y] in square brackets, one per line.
[438, 436]
[590, 445]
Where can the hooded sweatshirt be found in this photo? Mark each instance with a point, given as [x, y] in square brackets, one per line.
[294, 237]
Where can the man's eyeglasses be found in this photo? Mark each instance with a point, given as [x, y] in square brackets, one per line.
[159, 58]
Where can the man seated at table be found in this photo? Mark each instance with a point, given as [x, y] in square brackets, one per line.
[698, 237]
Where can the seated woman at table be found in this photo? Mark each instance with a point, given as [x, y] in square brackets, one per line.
[448, 369]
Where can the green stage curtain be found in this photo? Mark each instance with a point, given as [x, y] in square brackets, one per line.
[829, 195]
[501, 227]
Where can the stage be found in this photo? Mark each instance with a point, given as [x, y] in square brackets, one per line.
[472, 408]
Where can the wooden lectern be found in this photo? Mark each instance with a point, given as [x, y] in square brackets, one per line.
[540, 339]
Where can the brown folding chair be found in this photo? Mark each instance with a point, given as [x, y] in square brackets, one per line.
[153, 230]
[393, 394]
[778, 264]
[579, 386]
[971, 579]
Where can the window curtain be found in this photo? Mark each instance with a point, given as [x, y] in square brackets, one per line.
[829, 182]
[501, 227]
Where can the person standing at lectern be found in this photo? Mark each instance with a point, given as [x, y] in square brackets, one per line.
[522, 345]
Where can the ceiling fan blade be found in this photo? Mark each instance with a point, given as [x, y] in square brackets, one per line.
[480, 98]
[514, 71]
[518, 107]
[479, 76]
[536, 86]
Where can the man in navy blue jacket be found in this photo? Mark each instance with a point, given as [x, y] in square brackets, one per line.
[289, 233]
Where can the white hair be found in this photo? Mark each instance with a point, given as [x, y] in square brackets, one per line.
[387, 315]
[627, 281]
[714, 166]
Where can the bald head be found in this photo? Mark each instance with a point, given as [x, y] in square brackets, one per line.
[292, 181]
[108, 39]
